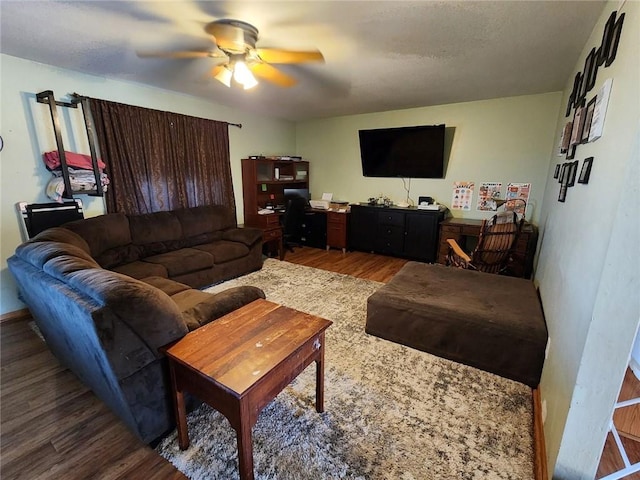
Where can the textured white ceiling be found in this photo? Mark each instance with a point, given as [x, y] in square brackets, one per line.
[380, 55]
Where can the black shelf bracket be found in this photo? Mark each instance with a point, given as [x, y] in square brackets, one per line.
[47, 97]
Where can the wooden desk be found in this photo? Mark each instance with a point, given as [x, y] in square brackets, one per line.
[264, 347]
[466, 231]
[337, 230]
[328, 233]
[271, 228]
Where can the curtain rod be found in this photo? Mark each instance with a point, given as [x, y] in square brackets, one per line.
[77, 97]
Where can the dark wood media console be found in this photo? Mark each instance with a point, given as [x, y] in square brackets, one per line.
[397, 231]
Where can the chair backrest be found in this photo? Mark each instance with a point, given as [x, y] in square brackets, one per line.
[37, 217]
[293, 217]
[498, 237]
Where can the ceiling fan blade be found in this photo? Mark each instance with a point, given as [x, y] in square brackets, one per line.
[217, 53]
[276, 55]
[272, 74]
[185, 54]
[216, 70]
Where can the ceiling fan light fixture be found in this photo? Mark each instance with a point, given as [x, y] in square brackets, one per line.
[224, 76]
[243, 75]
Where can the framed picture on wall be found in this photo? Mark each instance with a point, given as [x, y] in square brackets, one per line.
[588, 117]
[561, 173]
[562, 196]
[578, 124]
[573, 169]
[585, 172]
[615, 40]
[564, 179]
[605, 45]
[566, 137]
[575, 93]
[556, 173]
[590, 72]
[571, 152]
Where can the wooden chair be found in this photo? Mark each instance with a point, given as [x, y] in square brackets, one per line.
[496, 242]
[292, 221]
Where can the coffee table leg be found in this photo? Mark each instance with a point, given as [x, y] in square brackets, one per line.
[245, 448]
[180, 411]
[320, 377]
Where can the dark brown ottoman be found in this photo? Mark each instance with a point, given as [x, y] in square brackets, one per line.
[487, 321]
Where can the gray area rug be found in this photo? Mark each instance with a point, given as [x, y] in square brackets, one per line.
[391, 412]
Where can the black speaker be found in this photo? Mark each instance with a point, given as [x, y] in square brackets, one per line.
[427, 200]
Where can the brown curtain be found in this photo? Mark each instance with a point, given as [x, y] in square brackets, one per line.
[160, 161]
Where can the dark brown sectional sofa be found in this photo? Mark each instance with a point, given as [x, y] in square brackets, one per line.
[107, 292]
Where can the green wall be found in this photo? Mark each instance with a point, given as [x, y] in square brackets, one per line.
[588, 266]
[25, 126]
[502, 140]
[587, 263]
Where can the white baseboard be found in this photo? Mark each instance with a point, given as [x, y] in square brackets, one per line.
[635, 367]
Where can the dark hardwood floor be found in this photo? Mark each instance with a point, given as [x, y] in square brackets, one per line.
[53, 427]
[358, 264]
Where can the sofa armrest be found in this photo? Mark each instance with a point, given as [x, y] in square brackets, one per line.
[147, 310]
[219, 304]
[248, 235]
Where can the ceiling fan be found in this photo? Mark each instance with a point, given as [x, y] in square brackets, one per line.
[235, 50]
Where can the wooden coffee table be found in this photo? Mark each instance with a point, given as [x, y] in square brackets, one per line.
[240, 362]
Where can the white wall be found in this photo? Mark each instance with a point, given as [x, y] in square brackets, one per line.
[588, 268]
[504, 140]
[27, 132]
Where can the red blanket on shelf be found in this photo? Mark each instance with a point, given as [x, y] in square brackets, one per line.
[76, 160]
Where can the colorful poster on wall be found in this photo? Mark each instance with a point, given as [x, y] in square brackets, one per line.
[462, 195]
[519, 191]
[486, 195]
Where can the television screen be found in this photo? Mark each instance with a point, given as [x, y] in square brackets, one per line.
[411, 152]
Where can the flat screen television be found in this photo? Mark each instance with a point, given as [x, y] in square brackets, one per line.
[410, 152]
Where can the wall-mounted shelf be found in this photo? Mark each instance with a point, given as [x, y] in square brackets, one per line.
[47, 97]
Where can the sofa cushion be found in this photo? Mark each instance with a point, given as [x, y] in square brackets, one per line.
[141, 270]
[185, 260]
[59, 267]
[199, 308]
[62, 235]
[119, 256]
[170, 287]
[39, 253]
[147, 310]
[224, 251]
[249, 236]
[202, 238]
[207, 218]
[158, 227]
[187, 299]
[103, 233]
